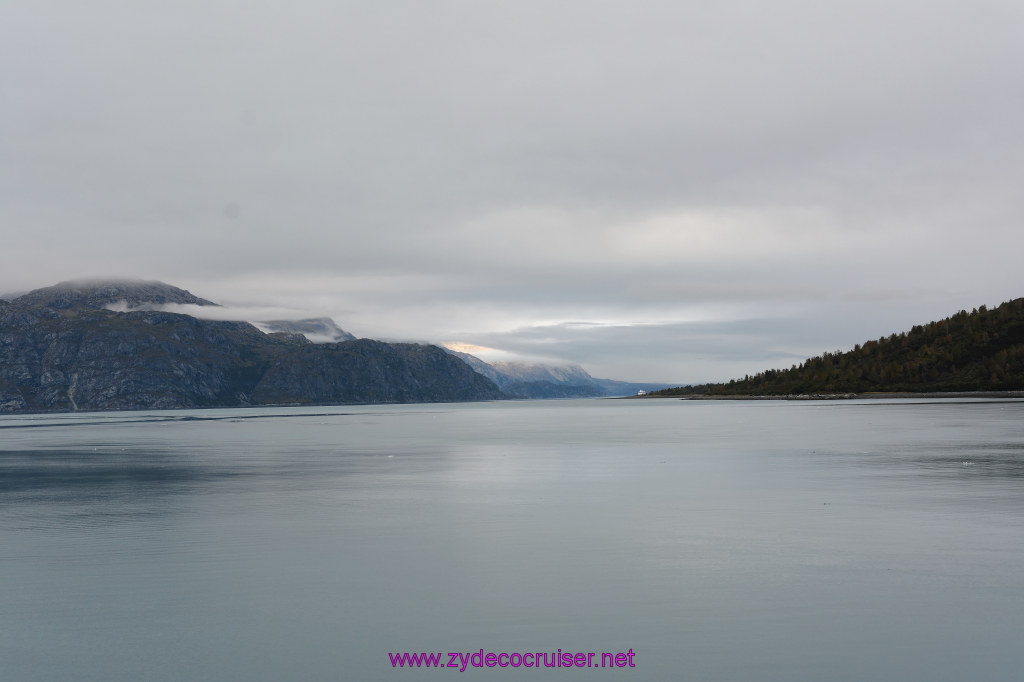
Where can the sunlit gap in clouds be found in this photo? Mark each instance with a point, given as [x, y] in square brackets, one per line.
[488, 354]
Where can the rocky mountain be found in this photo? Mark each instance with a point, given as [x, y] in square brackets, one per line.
[367, 371]
[483, 368]
[61, 348]
[99, 294]
[317, 330]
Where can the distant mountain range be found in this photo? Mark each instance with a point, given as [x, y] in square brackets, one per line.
[116, 344]
[981, 350]
[98, 345]
[535, 380]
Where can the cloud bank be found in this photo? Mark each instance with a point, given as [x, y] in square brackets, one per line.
[664, 191]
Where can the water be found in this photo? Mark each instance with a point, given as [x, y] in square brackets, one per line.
[717, 540]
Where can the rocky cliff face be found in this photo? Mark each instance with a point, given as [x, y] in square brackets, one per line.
[366, 371]
[61, 350]
[97, 359]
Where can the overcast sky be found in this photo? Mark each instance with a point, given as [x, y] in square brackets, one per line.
[666, 191]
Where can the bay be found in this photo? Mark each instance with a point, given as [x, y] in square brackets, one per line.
[844, 540]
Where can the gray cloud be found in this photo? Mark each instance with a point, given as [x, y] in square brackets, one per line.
[817, 173]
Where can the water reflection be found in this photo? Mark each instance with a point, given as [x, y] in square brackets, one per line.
[717, 540]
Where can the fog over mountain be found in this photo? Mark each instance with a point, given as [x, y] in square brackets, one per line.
[664, 191]
[100, 294]
[538, 380]
[317, 330]
[80, 346]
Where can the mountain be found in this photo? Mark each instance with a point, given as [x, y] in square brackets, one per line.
[535, 380]
[61, 348]
[317, 330]
[978, 351]
[99, 294]
[613, 388]
[550, 389]
[11, 295]
[481, 367]
[367, 371]
[568, 375]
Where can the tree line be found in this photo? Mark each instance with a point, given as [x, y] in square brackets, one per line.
[981, 350]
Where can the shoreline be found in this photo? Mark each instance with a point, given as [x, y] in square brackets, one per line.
[840, 396]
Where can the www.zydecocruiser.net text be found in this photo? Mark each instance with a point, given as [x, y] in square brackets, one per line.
[461, 660]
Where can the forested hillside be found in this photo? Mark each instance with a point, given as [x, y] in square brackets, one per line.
[978, 351]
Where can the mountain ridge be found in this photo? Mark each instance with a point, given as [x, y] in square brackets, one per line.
[62, 348]
[100, 293]
[315, 329]
[536, 380]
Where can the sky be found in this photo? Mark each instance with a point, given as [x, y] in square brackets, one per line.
[670, 191]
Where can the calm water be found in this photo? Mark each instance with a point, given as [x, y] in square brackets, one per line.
[717, 540]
